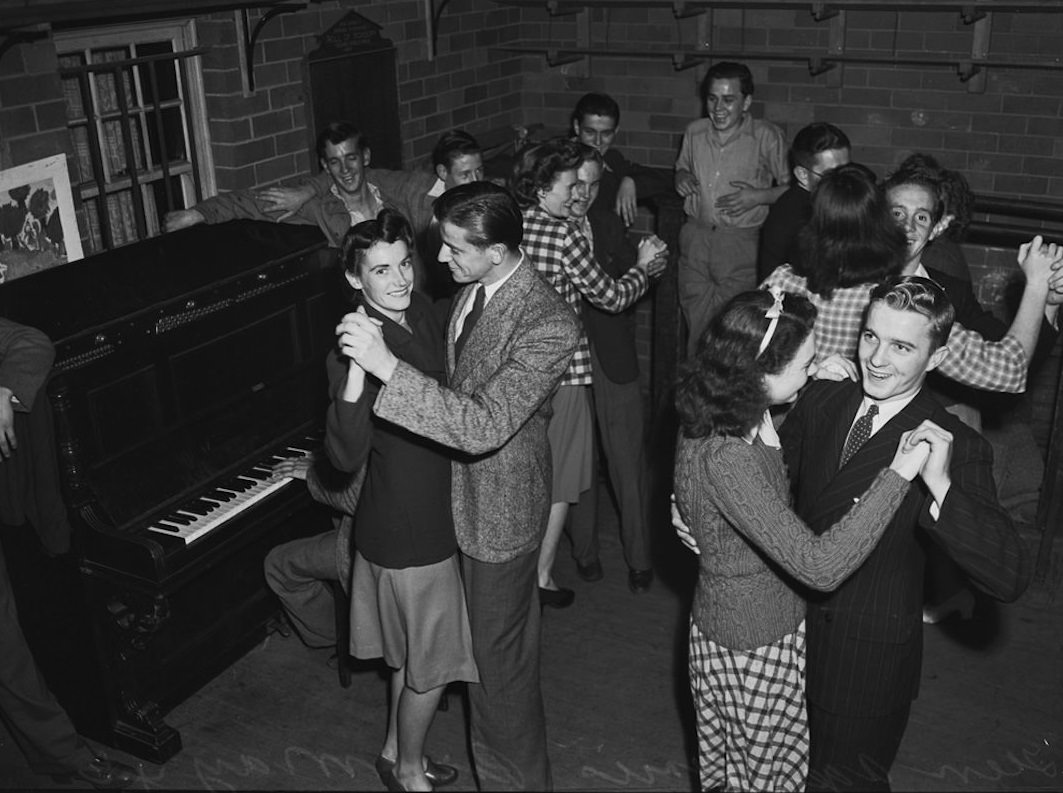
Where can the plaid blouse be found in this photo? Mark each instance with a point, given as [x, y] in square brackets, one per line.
[971, 360]
[562, 253]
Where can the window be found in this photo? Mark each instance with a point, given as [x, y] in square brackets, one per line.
[137, 116]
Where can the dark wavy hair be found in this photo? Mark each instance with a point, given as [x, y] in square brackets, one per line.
[488, 214]
[388, 226]
[538, 165]
[721, 388]
[852, 238]
[950, 189]
[335, 132]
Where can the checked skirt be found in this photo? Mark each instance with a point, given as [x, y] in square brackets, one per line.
[751, 720]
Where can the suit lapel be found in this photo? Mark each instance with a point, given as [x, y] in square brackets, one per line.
[849, 483]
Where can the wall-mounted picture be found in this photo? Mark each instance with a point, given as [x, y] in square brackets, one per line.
[38, 228]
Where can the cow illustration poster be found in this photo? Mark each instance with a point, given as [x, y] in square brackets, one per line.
[38, 228]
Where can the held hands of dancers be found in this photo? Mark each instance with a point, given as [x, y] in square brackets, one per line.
[361, 340]
[926, 451]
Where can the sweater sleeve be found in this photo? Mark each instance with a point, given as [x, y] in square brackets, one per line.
[750, 503]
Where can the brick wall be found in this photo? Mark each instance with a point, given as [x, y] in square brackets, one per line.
[1007, 140]
[261, 137]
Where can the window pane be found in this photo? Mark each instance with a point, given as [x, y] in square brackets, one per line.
[165, 72]
[174, 131]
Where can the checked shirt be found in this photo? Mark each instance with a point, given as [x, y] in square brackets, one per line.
[971, 360]
[562, 253]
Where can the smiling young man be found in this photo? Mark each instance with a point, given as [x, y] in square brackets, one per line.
[595, 121]
[347, 198]
[730, 167]
[865, 639]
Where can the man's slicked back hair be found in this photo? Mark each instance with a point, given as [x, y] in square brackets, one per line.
[814, 138]
[923, 296]
[452, 145]
[488, 214]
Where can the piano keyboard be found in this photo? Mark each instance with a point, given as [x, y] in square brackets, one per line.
[198, 517]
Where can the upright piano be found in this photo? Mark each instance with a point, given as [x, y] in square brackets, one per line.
[185, 365]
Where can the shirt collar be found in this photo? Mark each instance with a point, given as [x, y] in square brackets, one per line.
[437, 189]
[489, 290]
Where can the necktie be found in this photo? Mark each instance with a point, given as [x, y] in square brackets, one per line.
[859, 434]
[470, 321]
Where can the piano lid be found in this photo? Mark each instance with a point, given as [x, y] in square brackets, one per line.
[77, 296]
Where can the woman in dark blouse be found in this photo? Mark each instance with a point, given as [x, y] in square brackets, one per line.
[407, 601]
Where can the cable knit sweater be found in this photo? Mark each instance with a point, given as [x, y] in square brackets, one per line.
[735, 498]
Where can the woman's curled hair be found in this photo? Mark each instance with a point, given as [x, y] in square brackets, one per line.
[721, 388]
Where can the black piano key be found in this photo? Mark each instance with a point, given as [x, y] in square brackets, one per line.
[238, 484]
[257, 473]
[198, 507]
[297, 450]
[164, 527]
[221, 495]
[181, 519]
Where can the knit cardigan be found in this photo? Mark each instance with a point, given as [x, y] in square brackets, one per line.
[755, 552]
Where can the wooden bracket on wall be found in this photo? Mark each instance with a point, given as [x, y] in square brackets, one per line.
[432, 14]
[971, 73]
[250, 37]
[682, 10]
[683, 60]
[555, 9]
[822, 11]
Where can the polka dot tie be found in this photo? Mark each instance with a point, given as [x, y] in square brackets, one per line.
[859, 434]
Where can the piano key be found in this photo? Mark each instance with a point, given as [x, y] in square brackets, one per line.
[195, 529]
[195, 518]
[197, 508]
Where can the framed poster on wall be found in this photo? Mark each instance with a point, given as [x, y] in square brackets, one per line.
[38, 228]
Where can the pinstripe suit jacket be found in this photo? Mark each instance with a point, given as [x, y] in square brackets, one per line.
[865, 638]
[496, 410]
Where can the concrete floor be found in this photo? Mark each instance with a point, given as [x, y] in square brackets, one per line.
[990, 715]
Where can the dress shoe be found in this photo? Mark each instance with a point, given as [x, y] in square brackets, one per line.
[639, 581]
[590, 572]
[556, 598]
[102, 774]
[439, 774]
